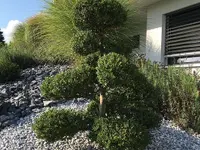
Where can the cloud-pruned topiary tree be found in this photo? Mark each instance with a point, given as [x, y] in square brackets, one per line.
[127, 101]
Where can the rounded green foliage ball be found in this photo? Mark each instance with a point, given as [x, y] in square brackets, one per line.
[73, 83]
[99, 15]
[129, 103]
[85, 43]
[54, 124]
[117, 134]
[112, 70]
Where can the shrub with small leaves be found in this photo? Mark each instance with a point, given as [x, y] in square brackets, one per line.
[74, 83]
[116, 134]
[98, 15]
[54, 124]
[85, 42]
[129, 103]
[93, 109]
[112, 70]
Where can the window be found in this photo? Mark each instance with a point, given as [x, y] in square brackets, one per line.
[182, 39]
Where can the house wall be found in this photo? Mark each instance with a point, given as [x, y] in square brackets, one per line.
[156, 25]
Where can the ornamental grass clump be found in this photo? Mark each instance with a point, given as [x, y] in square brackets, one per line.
[124, 104]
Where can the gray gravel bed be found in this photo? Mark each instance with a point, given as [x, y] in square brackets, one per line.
[171, 137]
[21, 137]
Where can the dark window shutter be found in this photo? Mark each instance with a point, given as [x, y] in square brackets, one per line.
[182, 34]
[183, 31]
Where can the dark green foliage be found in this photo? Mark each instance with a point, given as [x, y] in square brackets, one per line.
[112, 42]
[2, 40]
[130, 103]
[93, 109]
[92, 59]
[117, 134]
[88, 42]
[8, 71]
[55, 124]
[74, 83]
[99, 15]
[23, 60]
[99, 21]
[85, 43]
[128, 93]
[112, 70]
[178, 91]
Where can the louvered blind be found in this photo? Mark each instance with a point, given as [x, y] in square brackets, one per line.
[183, 31]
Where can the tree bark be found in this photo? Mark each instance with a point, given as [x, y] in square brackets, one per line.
[101, 105]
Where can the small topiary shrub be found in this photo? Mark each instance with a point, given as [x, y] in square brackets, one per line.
[74, 83]
[55, 124]
[99, 15]
[120, 134]
[107, 74]
[8, 70]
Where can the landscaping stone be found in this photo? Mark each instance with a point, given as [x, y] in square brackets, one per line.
[20, 97]
[20, 136]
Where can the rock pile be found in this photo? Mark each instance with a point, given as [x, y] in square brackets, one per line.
[20, 98]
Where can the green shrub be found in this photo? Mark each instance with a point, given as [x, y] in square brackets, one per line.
[178, 91]
[23, 49]
[22, 58]
[8, 70]
[92, 59]
[55, 124]
[128, 94]
[90, 14]
[112, 70]
[116, 134]
[93, 109]
[100, 33]
[74, 83]
[131, 105]
[85, 43]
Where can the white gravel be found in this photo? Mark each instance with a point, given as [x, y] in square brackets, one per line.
[171, 137]
[21, 137]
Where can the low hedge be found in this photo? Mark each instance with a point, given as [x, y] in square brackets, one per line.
[54, 124]
[118, 134]
[74, 83]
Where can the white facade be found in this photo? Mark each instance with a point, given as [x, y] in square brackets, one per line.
[155, 29]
